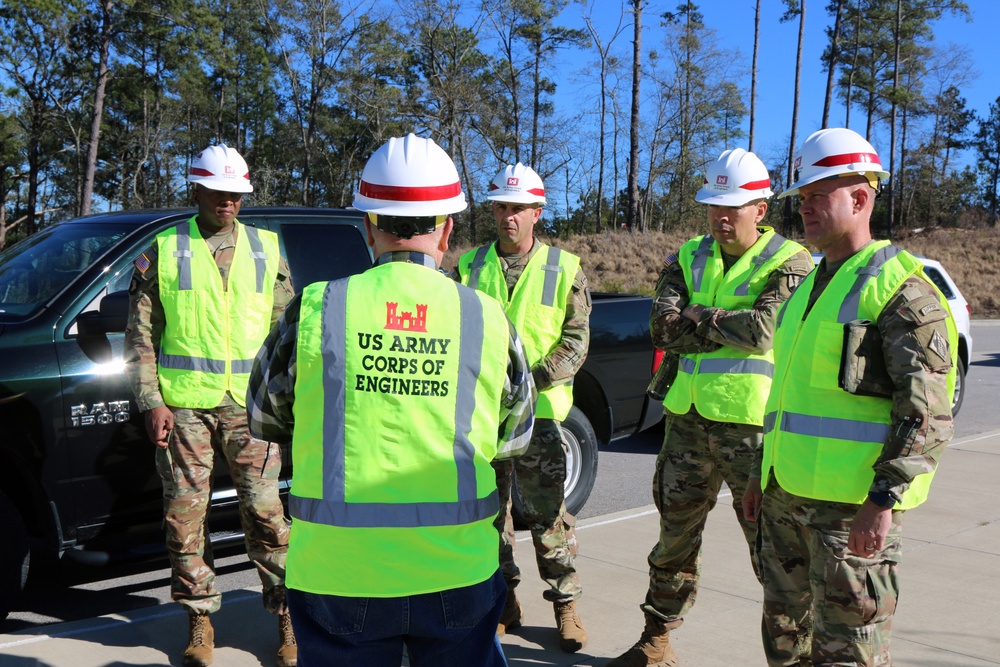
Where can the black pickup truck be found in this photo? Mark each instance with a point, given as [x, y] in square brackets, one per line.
[77, 476]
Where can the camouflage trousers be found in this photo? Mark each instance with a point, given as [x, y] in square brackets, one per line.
[185, 468]
[698, 454]
[541, 474]
[823, 605]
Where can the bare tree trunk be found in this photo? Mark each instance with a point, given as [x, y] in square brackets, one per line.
[787, 211]
[831, 65]
[95, 125]
[633, 163]
[892, 121]
[753, 75]
[854, 66]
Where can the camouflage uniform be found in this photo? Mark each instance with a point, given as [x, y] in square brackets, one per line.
[186, 465]
[698, 454]
[541, 471]
[824, 604]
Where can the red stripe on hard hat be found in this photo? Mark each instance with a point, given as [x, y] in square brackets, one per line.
[198, 171]
[414, 193]
[494, 186]
[848, 158]
[756, 185]
[538, 192]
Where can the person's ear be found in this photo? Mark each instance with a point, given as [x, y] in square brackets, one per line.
[446, 234]
[369, 232]
[761, 211]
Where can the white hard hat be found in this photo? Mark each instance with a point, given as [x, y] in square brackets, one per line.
[220, 168]
[410, 177]
[735, 178]
[517, 184]
[835, 152]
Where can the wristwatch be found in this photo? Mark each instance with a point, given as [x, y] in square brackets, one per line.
[882, 499]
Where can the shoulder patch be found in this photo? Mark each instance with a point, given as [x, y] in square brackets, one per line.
[669, 260]
[939, 345]
[142, 263]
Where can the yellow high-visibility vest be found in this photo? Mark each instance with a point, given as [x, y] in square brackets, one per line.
[820, 440]
[399, 381]
[537, 308]
[727, 385]
[212, 333]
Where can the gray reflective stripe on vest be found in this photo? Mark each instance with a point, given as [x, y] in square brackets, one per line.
[852, 303]
[701, 255]
[737, 366]
[686, 365]
[333, 509]
[183, 255]
[552, 271]
[828, 427]
[242, 365]
[478, 262]
[772, 247]
[179, 362]
[258, 255]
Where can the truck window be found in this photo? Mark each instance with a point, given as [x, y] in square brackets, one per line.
[39, 267]
[323, 252]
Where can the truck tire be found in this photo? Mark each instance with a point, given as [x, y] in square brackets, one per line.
[580, 444]
[956, 402]
[15, 555]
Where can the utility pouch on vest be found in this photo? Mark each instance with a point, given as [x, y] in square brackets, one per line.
[664, 377]
[862, 367]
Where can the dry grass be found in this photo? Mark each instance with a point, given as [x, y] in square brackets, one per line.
[617, 261]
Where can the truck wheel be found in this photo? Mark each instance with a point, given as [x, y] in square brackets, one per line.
[15, 555]
[956, 403]
[580, 444]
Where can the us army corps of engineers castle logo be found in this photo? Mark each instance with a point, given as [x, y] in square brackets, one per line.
[405, 321]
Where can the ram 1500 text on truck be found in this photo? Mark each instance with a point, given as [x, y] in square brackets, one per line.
[77, 475]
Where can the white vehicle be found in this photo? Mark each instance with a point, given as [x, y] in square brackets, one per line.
[960, 310]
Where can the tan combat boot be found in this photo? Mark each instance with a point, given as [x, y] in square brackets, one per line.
[511, 616]
[201, 641]
[288, 650]
[572, 636]
[652, 650]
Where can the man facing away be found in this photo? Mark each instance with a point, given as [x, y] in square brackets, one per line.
[715, 307]
[203, 298]
[856, 421]
[396, 387]
[545, 294]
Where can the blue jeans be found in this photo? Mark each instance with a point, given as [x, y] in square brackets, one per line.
[451, 628]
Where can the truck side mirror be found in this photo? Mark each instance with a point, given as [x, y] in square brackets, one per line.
[112, 317]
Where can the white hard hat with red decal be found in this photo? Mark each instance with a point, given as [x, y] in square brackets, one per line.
[220, 168]
[832, 153]
[517, 184]
[734, 179]
[410, 176]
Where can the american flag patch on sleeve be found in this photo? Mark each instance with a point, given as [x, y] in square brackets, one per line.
[142, 263]
[669, 260]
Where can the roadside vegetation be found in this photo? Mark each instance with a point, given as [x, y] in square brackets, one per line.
[620, 261]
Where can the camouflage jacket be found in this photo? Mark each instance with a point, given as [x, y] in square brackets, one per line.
[146, 318]
[747, 330]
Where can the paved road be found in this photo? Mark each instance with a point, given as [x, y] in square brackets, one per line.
[71, 592]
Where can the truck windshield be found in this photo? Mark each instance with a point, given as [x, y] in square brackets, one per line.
[39, 267]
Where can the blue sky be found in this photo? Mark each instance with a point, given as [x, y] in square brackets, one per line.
[733, 21]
